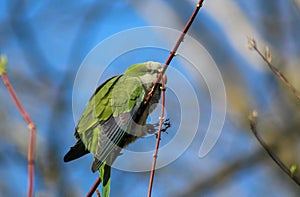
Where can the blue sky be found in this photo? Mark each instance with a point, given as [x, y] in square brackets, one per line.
[46, 42]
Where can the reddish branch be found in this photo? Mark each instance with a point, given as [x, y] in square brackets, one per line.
[94, 188]
[98, 193]
[30, 125]
[161, 119]
[176, 46]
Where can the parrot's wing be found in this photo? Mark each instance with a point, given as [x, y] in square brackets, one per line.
[108, 115]
[89, 120]
[97, 108]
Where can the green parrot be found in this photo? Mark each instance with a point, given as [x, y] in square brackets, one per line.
[115, 116]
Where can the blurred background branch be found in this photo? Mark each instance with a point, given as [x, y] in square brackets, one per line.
[30, 124]
[267, 57]
[288, 171]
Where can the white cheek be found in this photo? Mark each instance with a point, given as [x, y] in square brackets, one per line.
[148, 78]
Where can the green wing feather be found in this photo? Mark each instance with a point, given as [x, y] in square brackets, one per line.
[127, 93]
[97, 105]
[104, 171]
[117, 96]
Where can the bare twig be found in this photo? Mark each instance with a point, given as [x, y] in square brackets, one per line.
[30, 124]
[161, 119]
[94, 188]
[267, 58]
[288, 171]
[176, 46]
[98, 193]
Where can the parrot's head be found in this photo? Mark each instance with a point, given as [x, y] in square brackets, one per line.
[147, 72]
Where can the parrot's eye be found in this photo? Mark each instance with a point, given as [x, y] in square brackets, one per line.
[152, 71]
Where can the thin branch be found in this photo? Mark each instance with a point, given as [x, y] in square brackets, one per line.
[161, 120]
[98, 193]
[176, 46]
[94, 188]
[252, 121]
[30, 124]
[267, 58]
[160, 76]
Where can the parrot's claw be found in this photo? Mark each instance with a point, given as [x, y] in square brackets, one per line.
[152, 128]
[166, 125]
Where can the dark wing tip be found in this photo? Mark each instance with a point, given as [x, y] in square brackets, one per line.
[76, 151]
[68, 157]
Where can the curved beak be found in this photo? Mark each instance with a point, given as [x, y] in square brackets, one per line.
[164, 79]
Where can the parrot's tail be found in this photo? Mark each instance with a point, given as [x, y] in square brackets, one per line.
[104, 171]
[76, 151]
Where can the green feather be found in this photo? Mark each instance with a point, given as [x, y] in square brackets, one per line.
[137, 69]
[98, 108]
[104, 171]
[116, 96]
[127, 93]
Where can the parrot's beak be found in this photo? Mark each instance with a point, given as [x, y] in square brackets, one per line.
[164, 79]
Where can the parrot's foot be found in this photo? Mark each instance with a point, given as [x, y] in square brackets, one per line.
[152, 128]
[166, 125]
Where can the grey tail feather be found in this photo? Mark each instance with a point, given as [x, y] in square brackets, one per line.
[107, 169]
[76, 151]
[96, 165]
[108, 161]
